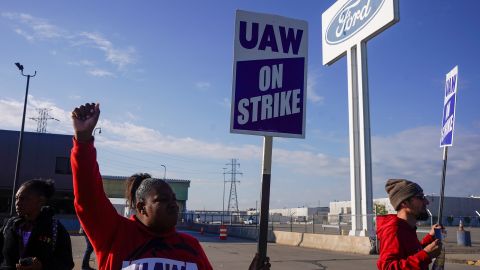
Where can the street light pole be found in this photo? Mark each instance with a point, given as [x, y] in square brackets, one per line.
[164, 171]
[99, 130]
[20, 140]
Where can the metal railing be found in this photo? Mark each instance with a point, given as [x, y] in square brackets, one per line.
[321, 223]
[329, 224]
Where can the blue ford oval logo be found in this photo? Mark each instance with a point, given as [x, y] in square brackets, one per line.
[351, 18]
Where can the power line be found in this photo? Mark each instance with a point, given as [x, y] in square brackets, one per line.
[109, 157]
[155, 155]
[155, 163]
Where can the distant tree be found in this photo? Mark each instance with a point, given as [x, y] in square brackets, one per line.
[380, 209]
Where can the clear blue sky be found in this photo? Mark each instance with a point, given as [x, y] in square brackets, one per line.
[162, 72]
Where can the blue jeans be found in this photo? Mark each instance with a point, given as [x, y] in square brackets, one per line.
[86, 255]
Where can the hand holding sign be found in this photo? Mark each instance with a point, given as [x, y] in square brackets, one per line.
[434, 249]
[257, 263]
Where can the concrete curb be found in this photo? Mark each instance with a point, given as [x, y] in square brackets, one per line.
[475, 263]
[288, 238]
[341, 243]
[463, 261]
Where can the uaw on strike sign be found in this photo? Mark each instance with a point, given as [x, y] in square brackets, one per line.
[450, 98]
[269, 75]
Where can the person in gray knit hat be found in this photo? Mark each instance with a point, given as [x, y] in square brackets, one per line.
[399, 245]
[401, 189]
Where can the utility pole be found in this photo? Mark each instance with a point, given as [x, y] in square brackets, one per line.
[233, 199]
[42, 118]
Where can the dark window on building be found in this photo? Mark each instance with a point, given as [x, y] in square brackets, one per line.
[62, 166]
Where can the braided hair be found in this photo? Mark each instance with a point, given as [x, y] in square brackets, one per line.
[146, 186]
[132, 184]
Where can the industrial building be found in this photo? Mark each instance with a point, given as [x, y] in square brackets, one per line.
[298, 214]
[47, 156]
[44, 156]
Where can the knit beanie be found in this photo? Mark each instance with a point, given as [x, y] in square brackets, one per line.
[401, 189]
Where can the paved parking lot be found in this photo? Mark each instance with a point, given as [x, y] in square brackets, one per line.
[236, 254]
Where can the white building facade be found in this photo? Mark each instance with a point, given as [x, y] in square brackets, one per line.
[300, 213]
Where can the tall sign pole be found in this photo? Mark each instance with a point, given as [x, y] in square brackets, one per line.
[269, 89]
[346, 27]
[448, 125]
[265, 197]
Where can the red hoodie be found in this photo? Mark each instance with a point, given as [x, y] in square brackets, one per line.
[399, 245]
[119, 242]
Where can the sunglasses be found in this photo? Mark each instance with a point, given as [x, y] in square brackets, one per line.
[421, 197]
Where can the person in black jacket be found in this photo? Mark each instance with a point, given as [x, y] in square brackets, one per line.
[35, 239]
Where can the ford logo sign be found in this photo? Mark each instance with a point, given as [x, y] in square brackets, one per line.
[351, 18]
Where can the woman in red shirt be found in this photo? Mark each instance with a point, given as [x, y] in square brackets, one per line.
[147, 239]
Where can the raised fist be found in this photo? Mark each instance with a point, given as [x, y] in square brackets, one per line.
[85, 119]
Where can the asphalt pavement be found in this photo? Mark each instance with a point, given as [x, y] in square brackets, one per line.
[237, 253]
[461, 254]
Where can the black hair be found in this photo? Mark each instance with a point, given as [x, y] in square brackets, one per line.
[45, 188]
[132, 184]
[146, 186]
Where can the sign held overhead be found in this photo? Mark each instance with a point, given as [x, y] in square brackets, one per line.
[449, 102]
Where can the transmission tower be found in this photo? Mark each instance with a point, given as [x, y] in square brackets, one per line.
[43, 117]
[232, 198]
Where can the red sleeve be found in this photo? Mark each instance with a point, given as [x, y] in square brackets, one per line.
[97, 215]
[392, 256]
[427, 240]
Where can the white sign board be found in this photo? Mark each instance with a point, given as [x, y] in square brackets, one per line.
[346, 27]
[348, 22]
[269, 75]
[449, 102]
